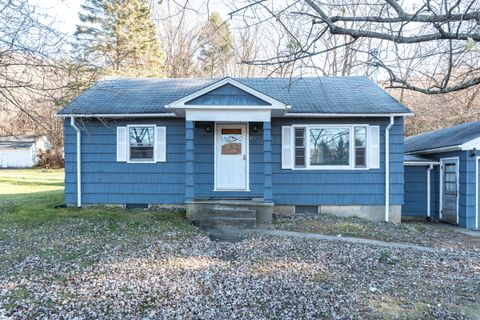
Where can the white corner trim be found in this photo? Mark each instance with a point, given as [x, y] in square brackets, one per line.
[180, 103]
[476, 192]
[387, 167]
[429, 171]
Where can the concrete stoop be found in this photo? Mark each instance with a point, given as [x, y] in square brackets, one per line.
[230, 214]
[228, 217]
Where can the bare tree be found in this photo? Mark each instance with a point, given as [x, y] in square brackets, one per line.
[178, 33]
[431, 47]
[33, 75]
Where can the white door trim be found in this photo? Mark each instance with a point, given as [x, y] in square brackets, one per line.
[245, 126]
[456, 160]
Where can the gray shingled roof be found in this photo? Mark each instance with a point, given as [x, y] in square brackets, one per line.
[417, 159]
[304, 95]
[447, 137]
[20, 142]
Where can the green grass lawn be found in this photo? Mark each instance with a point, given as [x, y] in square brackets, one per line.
[30, 223]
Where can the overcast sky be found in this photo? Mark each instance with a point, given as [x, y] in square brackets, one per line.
[65, 12]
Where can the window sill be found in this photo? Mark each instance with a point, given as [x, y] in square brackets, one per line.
[330, 169]
[140, 161]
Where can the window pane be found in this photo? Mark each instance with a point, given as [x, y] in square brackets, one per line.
[299, 147]
[231, 141]
[329, 146]
[299, 157]
[360, 147]
[299, 137]
[141, 143]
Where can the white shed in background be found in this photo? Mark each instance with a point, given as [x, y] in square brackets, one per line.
[21, 151]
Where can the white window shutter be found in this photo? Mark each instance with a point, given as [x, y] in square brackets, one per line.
[374, 150]
[160, 144]
[287, 147]
[121, 144]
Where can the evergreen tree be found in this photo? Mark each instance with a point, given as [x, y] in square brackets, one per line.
[216, 46]
[119, 37]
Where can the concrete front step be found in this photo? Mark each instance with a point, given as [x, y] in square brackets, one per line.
[214, 222]
[202, 211]
[231, 212]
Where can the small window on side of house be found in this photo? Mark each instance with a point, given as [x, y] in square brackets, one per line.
[360, 136]
[299, 147]
[141, 143]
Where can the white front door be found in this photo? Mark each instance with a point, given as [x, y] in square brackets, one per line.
[231, 158]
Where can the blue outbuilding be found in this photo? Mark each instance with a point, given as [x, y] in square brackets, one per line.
[256, 146]
[442, 175]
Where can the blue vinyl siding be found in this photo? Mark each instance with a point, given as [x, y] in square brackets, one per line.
[104, 180]
[339, 187]
[415, 189]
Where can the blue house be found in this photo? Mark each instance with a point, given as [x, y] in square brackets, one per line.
[441, 175]
[258, 146]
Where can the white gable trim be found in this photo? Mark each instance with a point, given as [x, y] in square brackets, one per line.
[180, 103]
[472, 144]
[203, 114]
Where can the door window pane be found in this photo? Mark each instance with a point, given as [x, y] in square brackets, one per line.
[329, 146]
[450, 178]
[141, 143]
[360, 147]
[231, 141]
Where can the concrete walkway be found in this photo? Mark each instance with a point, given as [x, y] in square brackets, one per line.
[316, 236]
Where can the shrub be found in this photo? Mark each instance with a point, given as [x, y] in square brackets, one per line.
[50, 159]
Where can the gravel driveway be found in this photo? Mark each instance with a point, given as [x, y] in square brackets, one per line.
[86, 269]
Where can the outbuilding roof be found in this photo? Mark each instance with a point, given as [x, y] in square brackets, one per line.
[18, 142]
[329, 95]
[410, 159]
[447, 137]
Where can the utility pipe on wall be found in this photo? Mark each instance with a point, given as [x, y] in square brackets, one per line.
[429, 170]
[387, 167]
[79, 173]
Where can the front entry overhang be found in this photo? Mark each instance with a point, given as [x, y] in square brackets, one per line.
[227, 115]
[253, 106]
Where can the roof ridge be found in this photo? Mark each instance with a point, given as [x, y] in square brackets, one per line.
[442, 129]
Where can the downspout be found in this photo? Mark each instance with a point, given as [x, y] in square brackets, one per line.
[79, 167]
[387, 167]
[429, 170]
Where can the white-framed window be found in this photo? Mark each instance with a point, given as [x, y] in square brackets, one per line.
[143, 143]
[330, 147]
